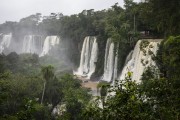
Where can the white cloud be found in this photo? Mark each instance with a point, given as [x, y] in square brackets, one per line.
[14, 10]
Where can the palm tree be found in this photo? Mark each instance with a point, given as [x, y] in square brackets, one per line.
[103, 87]
[48, 73]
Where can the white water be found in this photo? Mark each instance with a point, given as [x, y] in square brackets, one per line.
[49, 42]
[32, 44]
[129, 57]
[115, 75]
[6, 41]
[93, 59]
[110, 63]
[137, 62]
[89, 54]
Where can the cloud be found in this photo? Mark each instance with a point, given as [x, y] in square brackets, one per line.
[14, 10]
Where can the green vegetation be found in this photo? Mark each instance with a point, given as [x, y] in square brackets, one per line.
[168, 57]
[30, 91]
[158, 18]
[156, 97]
[26, 95]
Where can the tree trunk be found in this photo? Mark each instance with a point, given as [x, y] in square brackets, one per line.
[43, 92]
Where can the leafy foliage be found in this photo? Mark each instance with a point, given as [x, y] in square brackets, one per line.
[21, 94]
[157, 97]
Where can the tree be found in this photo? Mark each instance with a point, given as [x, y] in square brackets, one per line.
[162, 96]
[75, 97]
[168, 57]
[162, 16]
[14, 89]
[103, 86]
[123, 102]
[52, 90]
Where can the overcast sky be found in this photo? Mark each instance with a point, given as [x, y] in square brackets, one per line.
[14, 10]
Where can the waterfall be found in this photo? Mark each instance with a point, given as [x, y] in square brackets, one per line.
[93, 59]
[110, 63]
[49, 42]
[6, 41]
[89, 54]
[138, 60]
[129, 57]
[115, 65]
[32, 44]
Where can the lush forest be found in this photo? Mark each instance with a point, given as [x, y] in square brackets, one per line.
[31, 89]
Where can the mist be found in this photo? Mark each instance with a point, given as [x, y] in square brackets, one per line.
[52, 50]
[89, 60]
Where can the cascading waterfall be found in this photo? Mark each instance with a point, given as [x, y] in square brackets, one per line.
[115, 75]
[6, 41]
[32, 44]
[129, 57]
[139, 60]
[110, 63]
[49, 42]
[93, 59]
[89, 54]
